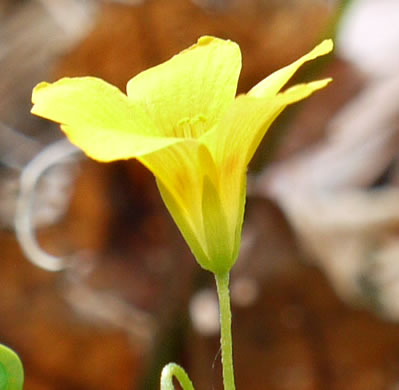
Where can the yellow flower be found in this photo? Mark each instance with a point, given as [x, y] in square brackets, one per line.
[182, 120]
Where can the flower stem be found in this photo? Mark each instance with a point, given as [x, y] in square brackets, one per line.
[173, 370]
[222, 283]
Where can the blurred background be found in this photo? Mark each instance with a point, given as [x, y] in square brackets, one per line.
[98, 289]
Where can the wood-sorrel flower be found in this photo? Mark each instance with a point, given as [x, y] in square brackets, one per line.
[183, 121]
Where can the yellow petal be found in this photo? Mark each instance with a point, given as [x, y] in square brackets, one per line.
[98, 118]
[235, 140]
[272, 84]
[186, 227]
[187, 94]
[229, 144]
[179, 177]
[272, 109]
[188, 182]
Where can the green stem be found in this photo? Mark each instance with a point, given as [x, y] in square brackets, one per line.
[173, 370]
[226, 343]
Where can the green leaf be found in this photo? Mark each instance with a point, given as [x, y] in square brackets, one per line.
[11, 370]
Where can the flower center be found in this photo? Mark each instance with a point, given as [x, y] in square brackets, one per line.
[191, 127]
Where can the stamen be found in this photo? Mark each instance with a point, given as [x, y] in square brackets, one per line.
[191, 127]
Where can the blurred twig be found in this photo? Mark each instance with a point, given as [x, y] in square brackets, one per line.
[24, 225]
